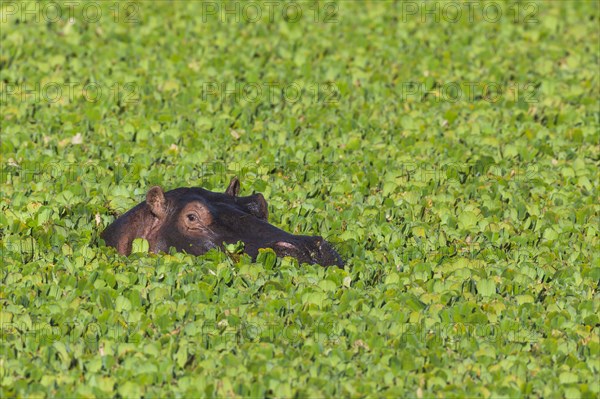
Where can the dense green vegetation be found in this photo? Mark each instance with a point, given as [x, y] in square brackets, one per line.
[450, 153]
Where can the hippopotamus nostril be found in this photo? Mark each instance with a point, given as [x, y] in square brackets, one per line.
[285, 245]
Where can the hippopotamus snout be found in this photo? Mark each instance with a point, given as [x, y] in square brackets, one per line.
[308, 249]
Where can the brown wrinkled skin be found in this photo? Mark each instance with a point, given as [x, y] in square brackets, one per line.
[194, 220]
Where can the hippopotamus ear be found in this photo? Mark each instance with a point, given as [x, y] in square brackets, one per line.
[257, 205]
[157, 202]
[234, 187]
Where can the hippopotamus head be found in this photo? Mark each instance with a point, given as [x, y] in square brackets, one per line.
[194, 220]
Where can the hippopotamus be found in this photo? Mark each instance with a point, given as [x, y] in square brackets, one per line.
[195, 220]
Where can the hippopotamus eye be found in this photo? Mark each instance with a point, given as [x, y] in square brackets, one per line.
[195, 215]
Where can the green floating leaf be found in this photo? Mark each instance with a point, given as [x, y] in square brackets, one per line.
[568, 378]
[182, 354]
[235, 248]
[140, 245]
[486, 287]
[522, 299]
[328, 285]
[267, 257]
[122, 304]
[129, 389]
[315, 298]
[467, 220]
